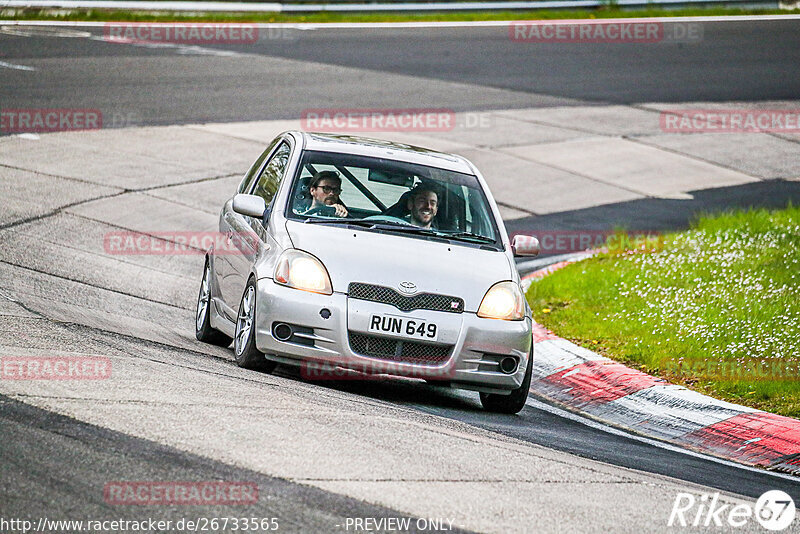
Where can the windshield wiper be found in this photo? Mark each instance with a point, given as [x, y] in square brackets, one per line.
[402, 227]
[469, 236]
[378, 224]
[350, 220]
[388, 226]
[407, 228]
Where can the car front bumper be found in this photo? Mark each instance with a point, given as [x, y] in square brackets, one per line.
[323, 325]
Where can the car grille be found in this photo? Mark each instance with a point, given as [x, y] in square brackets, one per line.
[421, 301]
[399, 350]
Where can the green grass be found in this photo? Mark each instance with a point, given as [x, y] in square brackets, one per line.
[715, 308]
[604, 12]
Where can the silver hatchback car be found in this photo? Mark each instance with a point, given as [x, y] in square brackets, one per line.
[350, 254]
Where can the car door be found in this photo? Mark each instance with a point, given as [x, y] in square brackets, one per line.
[247, 231]
[222, 267]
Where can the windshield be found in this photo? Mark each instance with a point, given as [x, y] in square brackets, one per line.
[390, 195]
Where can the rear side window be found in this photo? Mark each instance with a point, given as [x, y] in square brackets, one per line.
[268, 182]
[247, 182]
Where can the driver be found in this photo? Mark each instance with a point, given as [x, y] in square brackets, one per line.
[325, 187]
[423, 203]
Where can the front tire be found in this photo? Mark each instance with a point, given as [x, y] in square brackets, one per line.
[202, 324]
[513, 403]
[244, 341]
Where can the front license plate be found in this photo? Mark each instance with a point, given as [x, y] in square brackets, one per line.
[403, 326]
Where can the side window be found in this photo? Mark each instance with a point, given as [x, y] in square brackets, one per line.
[247, 182]
[268, 182]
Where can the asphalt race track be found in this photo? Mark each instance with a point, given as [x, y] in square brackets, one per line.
[476, 68]
[321, 453]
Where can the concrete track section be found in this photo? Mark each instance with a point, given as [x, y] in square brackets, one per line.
[75, 461]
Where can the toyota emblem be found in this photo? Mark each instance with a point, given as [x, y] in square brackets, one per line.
[408, 287]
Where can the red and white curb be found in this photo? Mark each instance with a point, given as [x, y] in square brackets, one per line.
[608, 391]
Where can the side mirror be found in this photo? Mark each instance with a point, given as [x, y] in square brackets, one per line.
[525, 245]
[250, 205]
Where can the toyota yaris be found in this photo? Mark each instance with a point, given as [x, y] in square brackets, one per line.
[345, 253]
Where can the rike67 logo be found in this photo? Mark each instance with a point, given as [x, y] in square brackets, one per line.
[774, 510]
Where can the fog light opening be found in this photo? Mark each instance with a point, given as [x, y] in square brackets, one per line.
[508, 365]
[282, 331]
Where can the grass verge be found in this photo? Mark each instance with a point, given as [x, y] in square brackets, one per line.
[715, 308]
[600, 13]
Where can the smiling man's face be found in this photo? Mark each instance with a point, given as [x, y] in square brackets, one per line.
[423, 208]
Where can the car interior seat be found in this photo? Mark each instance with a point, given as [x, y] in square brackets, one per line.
[400, 208]
[302, 195]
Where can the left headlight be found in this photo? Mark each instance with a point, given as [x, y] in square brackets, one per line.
[504, 300]
[301, 270]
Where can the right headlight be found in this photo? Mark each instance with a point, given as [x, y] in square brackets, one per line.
[301, 270]
[504, 300]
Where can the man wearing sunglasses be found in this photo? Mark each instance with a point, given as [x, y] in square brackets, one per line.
[325, 187]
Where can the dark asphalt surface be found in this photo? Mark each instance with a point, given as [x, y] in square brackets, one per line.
[743, 61]
[544, 428]
[56, 467]
[288, 71]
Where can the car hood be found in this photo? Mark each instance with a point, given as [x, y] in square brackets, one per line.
[355, 255]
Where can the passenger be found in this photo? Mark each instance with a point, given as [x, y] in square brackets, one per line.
[423, 203]
[325, 187]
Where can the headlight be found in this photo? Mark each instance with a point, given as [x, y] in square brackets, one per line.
[301, 270]
[503, 301]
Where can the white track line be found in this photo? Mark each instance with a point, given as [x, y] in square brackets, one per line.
[179, 48]
[16, 67]
[28, 31]
[539, 405]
